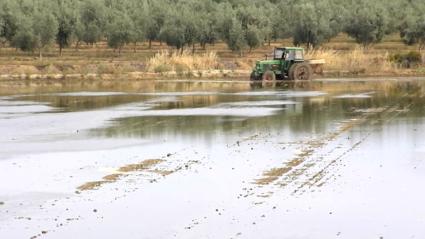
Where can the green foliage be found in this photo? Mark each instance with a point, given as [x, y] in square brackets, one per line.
[253, 38]
[45, 28]
[67, 19]
[236, 39]
[312, 24]
[368, 24]
[162, 68]
[25, 40]
[242, 24]
[174, 34]
[412, 29]
[8, 23]
[407, 60]
[91, 21]
[119, 31]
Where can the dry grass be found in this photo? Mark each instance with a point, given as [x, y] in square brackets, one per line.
[184, 62]
[343, 57]
[356, 61]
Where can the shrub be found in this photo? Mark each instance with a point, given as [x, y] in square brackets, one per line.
[407, 60]
[181, 69]
[162, 68]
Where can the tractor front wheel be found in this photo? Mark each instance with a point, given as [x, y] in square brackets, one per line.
[269, 76]
[300, 71]
[254, 77]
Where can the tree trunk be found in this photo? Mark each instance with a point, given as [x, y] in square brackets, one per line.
[421, 46]
[77, 45]
[40, 54]
[193, 49]
[150, 44]
[135, 47]
[60, 50]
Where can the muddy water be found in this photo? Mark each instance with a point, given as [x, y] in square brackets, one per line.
[208, 159]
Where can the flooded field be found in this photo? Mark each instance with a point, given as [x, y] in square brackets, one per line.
[208, 159]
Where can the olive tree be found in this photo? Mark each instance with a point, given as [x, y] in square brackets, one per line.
[253, 38]
[237, 39]
[312, 24]
[412, 28]
[45, 28]
[8, 23]
[119, 32]
[67, 20]
[367, 24]
[174, 35]
[207, 31]
[137, 31]
[154, 22]
[25, 39]
[91, 22]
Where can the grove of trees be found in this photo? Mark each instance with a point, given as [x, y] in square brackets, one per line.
[34, 25]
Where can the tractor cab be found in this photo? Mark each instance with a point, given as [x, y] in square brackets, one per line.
[288, 54]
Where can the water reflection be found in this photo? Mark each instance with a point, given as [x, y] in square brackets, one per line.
[308, 115]
[212, 110]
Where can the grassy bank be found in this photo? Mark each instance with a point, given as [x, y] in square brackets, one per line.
[343, 58]
[362, 62]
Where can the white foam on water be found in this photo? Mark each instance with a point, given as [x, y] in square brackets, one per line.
[24, 109]
[88, 93]
[192, 93]
[355, 96]
[282, 93]
[164, 99]
[211, 111]
[6, 103]
[264, 103]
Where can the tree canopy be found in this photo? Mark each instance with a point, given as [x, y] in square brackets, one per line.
[243, 24]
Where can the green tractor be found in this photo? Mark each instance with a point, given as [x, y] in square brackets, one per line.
[287, 63]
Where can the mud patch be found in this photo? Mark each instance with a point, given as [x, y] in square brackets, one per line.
[121, 172]
[162, 172]
[274, 174]
[91, 185]
[140, 166]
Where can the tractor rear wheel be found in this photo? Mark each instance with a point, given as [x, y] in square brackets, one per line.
[300, 71]
[269, 76]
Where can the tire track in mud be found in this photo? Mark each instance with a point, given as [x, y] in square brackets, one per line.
[328, 171]
[315, 165]
[151, 169]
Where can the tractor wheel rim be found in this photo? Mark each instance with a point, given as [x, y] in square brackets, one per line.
[302, 73]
